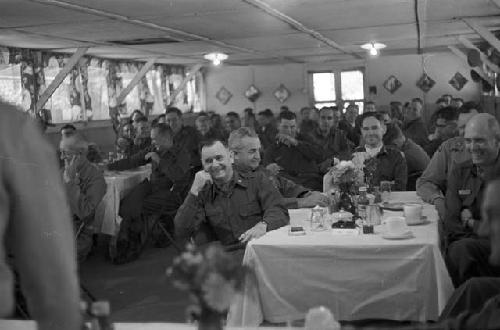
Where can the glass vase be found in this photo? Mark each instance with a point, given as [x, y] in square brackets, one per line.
[346, 200]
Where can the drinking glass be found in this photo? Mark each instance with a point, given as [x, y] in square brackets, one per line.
[385, 191]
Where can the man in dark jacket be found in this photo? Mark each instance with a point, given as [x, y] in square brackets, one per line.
[162, 193]
[414, 127]
[185, 137]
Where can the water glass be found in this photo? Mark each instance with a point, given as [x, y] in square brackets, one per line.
[385, 191]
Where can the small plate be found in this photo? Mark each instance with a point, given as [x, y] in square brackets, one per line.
[423, 221]
[405, 235]
[398, 206]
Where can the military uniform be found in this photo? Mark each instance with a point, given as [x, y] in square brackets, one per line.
[187, 140]
[267, 135]
[433, 182]
[250, 199]
[84, 195]
[334, 144]
[299, 163]
[390, 166]
[416, 161]
[467, 254]
[417, 131]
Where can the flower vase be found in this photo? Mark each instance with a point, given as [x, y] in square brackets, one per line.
[346, 200]
[210, 319]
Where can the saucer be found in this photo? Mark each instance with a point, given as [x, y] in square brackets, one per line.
[405, 235]
[423, 221]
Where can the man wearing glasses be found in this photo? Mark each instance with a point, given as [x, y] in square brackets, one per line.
[446, 128]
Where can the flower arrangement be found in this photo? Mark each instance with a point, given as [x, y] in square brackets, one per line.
[346, 174]
[212, 277]
[367, 164]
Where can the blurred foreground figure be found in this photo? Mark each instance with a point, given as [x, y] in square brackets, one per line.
[35, 226]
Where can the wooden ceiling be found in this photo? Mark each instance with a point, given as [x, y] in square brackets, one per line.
[249, 31]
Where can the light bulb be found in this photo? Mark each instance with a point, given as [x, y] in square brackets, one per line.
[373, 51]
[216, 61]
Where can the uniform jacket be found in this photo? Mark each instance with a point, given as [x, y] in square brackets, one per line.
[334, 144]
[251, 198]
[417, 131]
[433, 182]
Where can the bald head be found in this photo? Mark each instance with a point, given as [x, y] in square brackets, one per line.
[482, 136]
[490, 219]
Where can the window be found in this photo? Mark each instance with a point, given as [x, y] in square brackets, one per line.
[328, 86]
[10, 84]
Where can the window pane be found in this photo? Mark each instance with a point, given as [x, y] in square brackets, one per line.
[352, 85]
[132, 98]
[324, 86]
[58, 103]
[98, 91]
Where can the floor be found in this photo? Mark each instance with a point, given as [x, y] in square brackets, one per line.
[140, 291]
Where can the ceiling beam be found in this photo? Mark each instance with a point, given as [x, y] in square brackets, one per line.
[186, 79]
[72, 62]
[467, 43]
[420, 19]
[298, 26]
[142, 72]
[496, 2]
[463, 57]
[175, 34]
[484, 33]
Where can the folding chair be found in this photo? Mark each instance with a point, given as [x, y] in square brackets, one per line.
[86, 291]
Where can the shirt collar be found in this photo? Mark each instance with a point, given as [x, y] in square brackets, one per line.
[236, 180]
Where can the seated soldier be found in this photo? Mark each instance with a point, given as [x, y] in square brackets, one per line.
[467, 254]
[185, 137]
[445, 129]
[308, 122]
[416, 158]
[381, 163]
[164, 192]
[332, 140]
[432, 185]
[232, 121]
[267, 128]
[93, 152]
[350, 124]
[475, 304]
[296, 155]
[85, 188]
[125, 139]
[142, 139]
[235, 206]
[205, 131]
[245, 146]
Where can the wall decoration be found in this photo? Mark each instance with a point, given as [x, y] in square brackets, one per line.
[282, 93]
[252, 93]
[458, 81]
[223, 95]
[392, 84]
[425, 83]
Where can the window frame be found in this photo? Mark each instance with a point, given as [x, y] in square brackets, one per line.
[338, 85]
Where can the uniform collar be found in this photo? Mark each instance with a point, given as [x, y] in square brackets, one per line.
[238, 179]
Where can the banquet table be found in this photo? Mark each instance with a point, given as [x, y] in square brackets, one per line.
[107, 219]
[356, 276]
[30, 325]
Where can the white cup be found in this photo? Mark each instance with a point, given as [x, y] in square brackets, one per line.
[412, 213]
[395, 226]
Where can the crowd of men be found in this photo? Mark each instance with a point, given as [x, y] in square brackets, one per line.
[233, 178]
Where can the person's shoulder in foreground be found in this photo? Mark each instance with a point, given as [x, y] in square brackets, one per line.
[39, 226]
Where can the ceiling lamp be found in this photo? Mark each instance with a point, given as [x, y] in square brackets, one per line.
[216, 58]
[373, 47]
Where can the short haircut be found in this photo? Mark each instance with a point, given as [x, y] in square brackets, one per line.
[161, 116]
[440, 100]
[284, 108]
[304, 109]
[467, 107]
[395, 103]
[458, 99]
[202, 114]
[68, 126]
[418, 100]
[369, 102]
[137, 111]
[142, 119]
[210, 142]
[447, 113]
[154, 122]
[175, 110]
[248, 110]
[375, 115]
[76, 142]
[163, 130]
[328, 109]
[266, 113]
[287, 115]
[233, 115]
[234, 140]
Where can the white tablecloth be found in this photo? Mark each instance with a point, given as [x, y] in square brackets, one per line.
[107, 220]
[356, 277]
[30, 325]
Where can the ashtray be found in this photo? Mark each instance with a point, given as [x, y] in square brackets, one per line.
[344, 225]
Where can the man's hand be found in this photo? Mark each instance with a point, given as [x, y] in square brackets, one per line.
[440, 207]
[200, 179]
[153, 156]
[312, 199]
[255, 232]
[286, 140]
[70, 173]
[274, 169]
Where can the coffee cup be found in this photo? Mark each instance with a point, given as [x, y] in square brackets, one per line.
[412, 213]
[395, 226]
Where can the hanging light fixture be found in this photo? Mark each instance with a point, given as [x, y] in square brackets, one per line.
[215, 57]
[373, 47]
